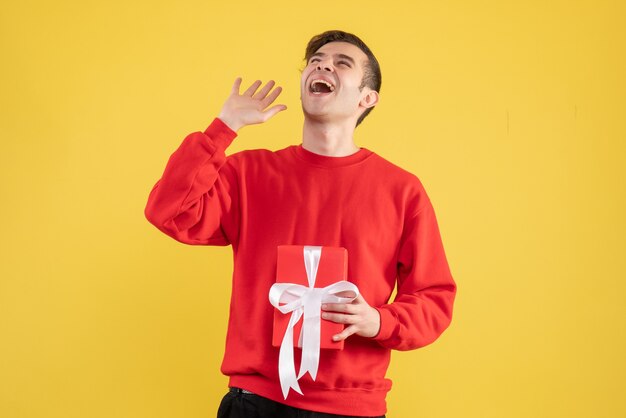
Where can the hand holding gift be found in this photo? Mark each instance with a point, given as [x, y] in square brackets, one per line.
[362, 319]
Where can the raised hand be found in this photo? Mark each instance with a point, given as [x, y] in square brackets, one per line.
[250, 107]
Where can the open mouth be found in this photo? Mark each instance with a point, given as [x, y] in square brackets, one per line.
[319, 86]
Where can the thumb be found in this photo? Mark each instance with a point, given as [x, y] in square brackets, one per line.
[273, 111]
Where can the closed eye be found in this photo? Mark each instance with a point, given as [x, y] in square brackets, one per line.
[346, 63]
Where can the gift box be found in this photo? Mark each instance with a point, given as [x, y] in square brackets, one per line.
[332, 267]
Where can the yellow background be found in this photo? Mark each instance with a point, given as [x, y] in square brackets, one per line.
[511, 113]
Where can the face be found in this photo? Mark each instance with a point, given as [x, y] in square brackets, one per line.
[329, 88]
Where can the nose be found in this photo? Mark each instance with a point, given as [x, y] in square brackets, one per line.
[324, 64]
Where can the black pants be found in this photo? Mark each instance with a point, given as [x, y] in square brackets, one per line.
[237, 404]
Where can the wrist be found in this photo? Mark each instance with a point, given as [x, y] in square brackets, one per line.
[231, 123]
[376, 325]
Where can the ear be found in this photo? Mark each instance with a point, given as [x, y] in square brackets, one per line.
[370, 99]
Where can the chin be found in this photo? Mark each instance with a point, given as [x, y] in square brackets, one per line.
[311, 110]
[317, 117]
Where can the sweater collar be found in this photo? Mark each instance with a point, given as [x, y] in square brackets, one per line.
[328, 161]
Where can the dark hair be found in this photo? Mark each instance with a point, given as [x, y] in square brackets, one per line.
[371, 77]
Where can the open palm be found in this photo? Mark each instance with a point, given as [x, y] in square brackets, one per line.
[250, 107]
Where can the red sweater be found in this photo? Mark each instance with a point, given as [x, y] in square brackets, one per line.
[258, 199]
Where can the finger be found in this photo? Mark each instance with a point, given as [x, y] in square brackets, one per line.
[273, 110]
[252, 88]
[347, 294]
[272, 96]
[236, 85]
[359, 299]
[263, 92]
[352, 329]
[338, 307]
[339, 318]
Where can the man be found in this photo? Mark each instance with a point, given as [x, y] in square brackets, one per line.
[325, 192]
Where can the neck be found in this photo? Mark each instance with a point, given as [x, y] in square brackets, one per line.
[332, 140]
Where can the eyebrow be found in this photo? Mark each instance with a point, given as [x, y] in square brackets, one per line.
[344, 56]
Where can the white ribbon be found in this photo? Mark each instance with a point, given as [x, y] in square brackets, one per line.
[304, 301]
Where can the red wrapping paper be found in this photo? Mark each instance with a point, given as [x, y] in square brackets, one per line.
[333, 267]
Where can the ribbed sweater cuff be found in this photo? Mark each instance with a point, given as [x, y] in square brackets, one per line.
[387, 324]
[221, 135]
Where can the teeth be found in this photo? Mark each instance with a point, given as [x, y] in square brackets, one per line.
[330, 86]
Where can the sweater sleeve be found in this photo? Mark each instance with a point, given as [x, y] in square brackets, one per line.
[196, 199]
[422, 308]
